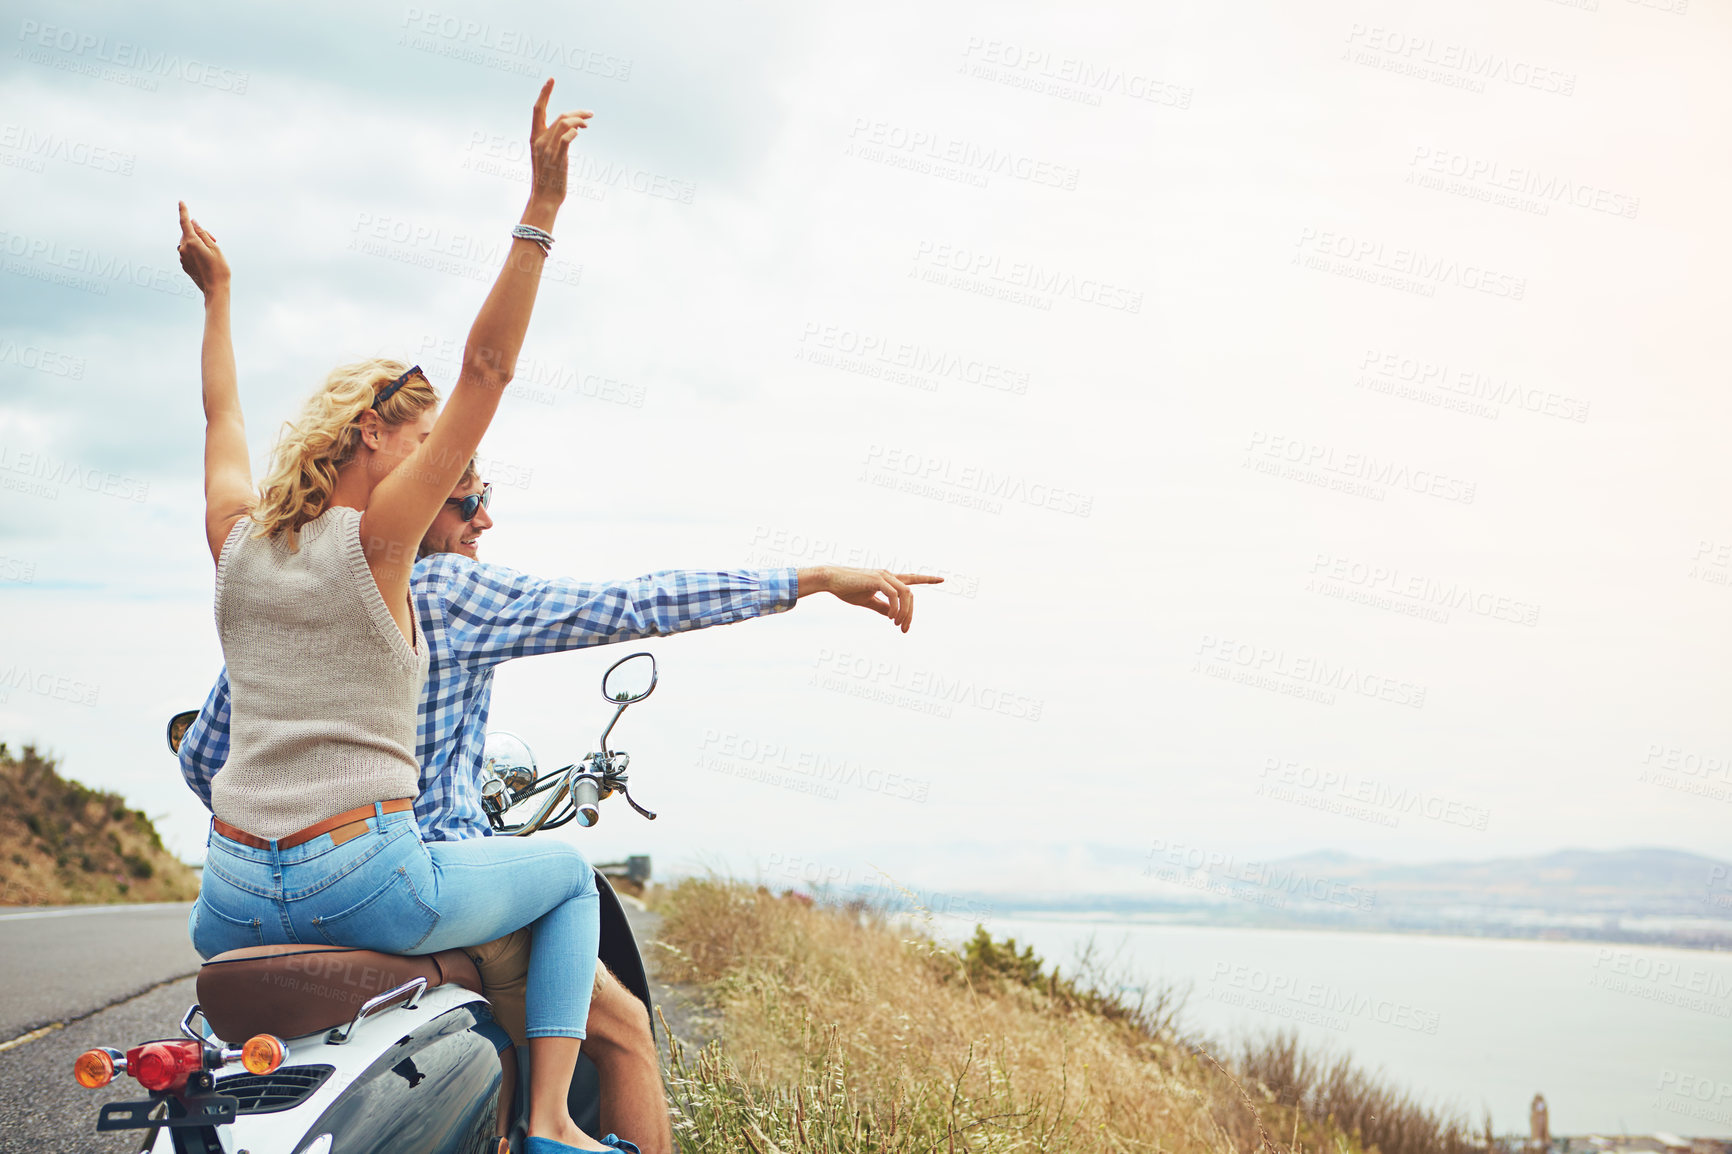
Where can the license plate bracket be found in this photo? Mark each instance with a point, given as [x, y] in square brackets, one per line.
[194, 1109]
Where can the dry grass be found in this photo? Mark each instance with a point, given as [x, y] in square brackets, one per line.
[62, 842]
[843, 1030]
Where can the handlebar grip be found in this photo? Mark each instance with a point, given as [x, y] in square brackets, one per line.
[585, 795]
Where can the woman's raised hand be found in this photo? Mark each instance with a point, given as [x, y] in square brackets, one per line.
[549, 145]
[200, 256]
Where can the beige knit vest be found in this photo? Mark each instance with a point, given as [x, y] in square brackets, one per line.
[324, 689]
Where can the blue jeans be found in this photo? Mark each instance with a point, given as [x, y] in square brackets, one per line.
[388, 890]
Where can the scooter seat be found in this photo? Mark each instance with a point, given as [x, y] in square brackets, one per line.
[292, 990]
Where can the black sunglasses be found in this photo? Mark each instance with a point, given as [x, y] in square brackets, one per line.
[468, 506]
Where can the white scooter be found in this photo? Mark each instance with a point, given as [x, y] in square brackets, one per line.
[315, 1049]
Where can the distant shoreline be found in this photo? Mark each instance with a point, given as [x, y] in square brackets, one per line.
[1719, 943]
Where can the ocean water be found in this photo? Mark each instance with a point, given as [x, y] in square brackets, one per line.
[1619, 1039]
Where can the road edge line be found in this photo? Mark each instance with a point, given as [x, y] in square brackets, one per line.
[43, 1031]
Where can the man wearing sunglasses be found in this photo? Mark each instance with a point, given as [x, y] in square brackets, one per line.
[476, 616]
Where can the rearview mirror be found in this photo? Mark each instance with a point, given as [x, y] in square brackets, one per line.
[629, 679]
[177, 727]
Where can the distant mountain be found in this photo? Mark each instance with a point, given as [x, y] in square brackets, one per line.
[1635, 895]
[1570, 871]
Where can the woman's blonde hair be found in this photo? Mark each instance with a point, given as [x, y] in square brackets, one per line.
[324, 438]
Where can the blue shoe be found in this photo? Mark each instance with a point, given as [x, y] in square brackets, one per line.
[551, 1146]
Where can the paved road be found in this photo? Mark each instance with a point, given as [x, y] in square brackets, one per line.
[60, 963]
[42, 1108]
[110, 973]
[101, 969]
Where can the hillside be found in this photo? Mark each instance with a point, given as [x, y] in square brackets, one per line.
[844, 1029]
[64, 843]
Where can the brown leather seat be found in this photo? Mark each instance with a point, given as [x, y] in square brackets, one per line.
[301, 989]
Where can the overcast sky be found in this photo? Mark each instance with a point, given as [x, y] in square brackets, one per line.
[1320, 415]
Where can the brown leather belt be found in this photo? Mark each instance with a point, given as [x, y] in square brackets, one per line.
[342, 827]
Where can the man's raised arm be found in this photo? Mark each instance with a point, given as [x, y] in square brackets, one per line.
[494, 614]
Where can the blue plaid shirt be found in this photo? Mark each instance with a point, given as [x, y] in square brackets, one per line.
[475, 616]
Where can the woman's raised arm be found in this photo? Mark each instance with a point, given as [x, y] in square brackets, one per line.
[228, 475]
[403, 505]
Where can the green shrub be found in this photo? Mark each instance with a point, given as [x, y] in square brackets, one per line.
[987, 960]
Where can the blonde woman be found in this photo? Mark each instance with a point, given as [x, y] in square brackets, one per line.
[313, 838]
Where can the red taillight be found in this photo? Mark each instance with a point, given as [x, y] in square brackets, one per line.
[164, 1065]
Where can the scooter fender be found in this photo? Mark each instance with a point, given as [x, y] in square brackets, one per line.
[419, 1079]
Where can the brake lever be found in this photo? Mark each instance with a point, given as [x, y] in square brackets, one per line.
[626, 793]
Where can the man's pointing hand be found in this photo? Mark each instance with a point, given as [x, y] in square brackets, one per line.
[876, 589]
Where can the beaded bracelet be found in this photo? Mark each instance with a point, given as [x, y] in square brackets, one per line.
[540, 236]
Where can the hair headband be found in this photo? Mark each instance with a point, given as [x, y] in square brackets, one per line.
[385, 393]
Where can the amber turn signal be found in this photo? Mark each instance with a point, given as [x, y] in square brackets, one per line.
[263, 1053]
[93, 1069]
